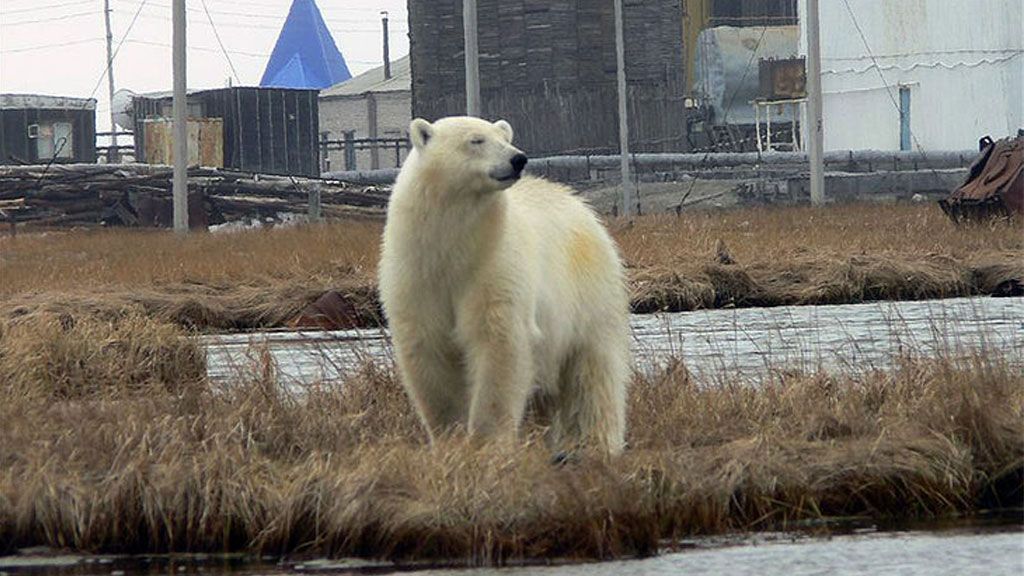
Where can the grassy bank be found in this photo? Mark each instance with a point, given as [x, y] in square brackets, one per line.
[261, 279]
[113, 440]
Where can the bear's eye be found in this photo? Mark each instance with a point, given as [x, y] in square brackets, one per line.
[476, 141]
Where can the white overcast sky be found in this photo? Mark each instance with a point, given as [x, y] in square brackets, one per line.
[57, 47]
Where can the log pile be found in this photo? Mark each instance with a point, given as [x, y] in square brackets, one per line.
[97, 195]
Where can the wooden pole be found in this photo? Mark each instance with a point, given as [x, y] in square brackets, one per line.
[469, 28]
[815, 130]
[180, 191]
[112, 152]
[620, 60]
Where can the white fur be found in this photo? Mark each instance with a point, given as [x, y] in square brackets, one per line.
[496, 292]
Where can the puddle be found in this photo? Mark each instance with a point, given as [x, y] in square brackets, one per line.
[745, 342]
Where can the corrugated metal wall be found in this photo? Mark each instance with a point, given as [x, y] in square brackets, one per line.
[548, 67]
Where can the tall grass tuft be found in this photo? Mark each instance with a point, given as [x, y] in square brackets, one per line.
[103, 449]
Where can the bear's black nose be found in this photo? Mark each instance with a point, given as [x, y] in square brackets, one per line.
[519, 162]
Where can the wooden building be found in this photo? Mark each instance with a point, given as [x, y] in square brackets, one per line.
[548, 67]
[265, 130]
[38, 129]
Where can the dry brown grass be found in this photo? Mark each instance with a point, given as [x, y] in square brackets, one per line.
[802, 255]
[241, 281]
[261, 279]
[122, 463]
[104, 260]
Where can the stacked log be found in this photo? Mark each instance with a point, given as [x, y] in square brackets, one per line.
[141, 195]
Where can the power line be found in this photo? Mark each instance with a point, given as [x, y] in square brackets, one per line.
[725, 116]
[753, 56]
[199, 48]
[370, 12]
[322, 4]
[221, 44]
[236, 52]
[874, 62]
[117, 50]
[99, 81]
[261, 15]
[888, 89]
[255, 26]
[51, 19]
[275, 27]
[48, 46]
[47, 7]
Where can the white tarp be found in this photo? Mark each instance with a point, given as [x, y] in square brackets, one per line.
[727, 67]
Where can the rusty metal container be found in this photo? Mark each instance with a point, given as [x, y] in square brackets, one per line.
[995, 183]
[783, 78]
[205, 142]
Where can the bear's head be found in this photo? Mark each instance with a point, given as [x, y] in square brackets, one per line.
[466, 154]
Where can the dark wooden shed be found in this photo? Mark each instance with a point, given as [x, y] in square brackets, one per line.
[548, 66]
[266, 130]
[37, 129]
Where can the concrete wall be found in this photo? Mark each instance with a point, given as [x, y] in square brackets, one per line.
[962, 61]
[340, 114]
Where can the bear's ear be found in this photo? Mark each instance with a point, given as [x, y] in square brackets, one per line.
[420, 132]
[506, 128]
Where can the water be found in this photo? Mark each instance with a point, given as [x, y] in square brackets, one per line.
[746, 342]
[963, 551]
[902, 554]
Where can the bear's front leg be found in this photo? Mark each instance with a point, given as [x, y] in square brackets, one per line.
[433, 378]
[500, 373]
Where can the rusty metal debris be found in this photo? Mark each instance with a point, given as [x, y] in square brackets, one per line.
[331, 311]
[995, 183]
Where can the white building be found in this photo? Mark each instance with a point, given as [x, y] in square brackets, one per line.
[955, 66]
[370, 106]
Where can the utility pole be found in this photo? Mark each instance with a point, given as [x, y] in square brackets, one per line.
[620, 62]
[469, 26]
[180, 190]
[815, 130]
[113, 154]
[387, 50]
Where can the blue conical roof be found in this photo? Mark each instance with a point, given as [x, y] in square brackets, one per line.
[305, 55]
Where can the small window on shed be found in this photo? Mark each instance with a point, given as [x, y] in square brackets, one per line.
[63, 143]
[53, 140]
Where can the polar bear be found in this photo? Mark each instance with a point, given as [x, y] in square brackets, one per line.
[502, 290]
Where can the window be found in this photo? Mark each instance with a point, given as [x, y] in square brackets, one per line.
[62, 141]
[53, 140]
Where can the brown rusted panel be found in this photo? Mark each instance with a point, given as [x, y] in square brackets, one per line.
[995, 183]
[159, 142]
[211, 142]
[783, 78]
[331, 311]
[205, 142]
[1014, 198]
